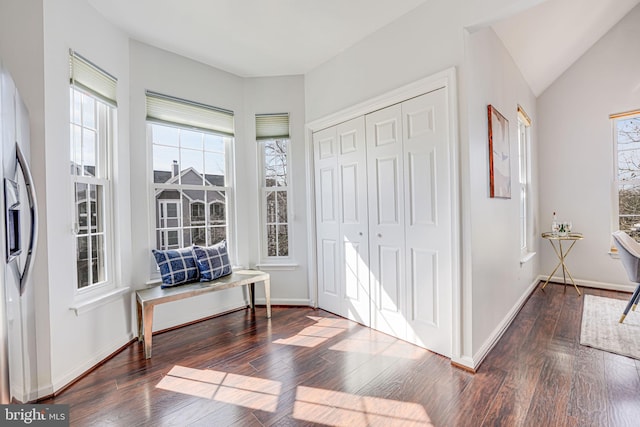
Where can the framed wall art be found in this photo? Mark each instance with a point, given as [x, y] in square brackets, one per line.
[499, 155]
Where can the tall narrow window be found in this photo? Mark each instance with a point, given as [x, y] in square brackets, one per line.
[626, 131]
[272, 133]
[191, 145]
[524, 124]
[92, 112]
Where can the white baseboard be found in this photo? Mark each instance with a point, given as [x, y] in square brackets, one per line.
[63, 380]
[497, 333]
[285, 301]
[590, 283]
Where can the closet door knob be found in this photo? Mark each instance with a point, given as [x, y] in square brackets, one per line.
[379, 234]
[360, 233]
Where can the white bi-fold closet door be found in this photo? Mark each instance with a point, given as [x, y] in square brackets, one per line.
[341, 220]
[403, 199]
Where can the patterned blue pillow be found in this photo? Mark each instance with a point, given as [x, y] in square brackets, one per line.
[177, 266]
[213, 261]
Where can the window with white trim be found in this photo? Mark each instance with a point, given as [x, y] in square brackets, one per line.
[191, 151]
[92, 130]
[272, 134]
[524, 155]
[626, 134]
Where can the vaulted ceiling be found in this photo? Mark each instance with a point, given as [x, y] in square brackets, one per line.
[286, 37]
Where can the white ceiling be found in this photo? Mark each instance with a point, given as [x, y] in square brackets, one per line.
[254, 37]
[286, 37]
[547, 39]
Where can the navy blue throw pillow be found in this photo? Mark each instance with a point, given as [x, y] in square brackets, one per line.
[177, 266]
[213, 261]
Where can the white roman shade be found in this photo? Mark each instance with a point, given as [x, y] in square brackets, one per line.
[272, 126]
[169, 110]
[88, 76]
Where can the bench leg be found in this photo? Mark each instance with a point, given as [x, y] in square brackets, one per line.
[139, 310]
[251, 288]
[267, 294]
[147, 321]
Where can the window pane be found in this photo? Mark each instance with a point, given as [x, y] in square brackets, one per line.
[88, 152]
[272, 241]
[282, 206]
[164, 135]
[271, 207]
[76, 117]
[199, 236]
[82, 261]
[217, 234]
[88, 112]
[97, 259]
[76, 150]
[214, 168]
[82, 208]
[283, 241]
[213, 143]
[192, 165]
[217, 207]
[165, 164]
[191, 139]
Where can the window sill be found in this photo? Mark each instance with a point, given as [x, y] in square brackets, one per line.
[527, 257]
[274, 266]
[89, 304]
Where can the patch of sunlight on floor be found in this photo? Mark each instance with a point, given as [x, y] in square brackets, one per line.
[314, 335]
[241, 390]
[343, 409]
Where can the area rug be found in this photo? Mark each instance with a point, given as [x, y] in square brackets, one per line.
[600, 328]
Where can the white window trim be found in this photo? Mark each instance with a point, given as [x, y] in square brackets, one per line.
[97, 292]
[229, 188]
[266, 261]
[524, 144]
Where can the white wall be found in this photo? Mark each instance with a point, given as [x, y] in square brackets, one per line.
[80, 341]
[576, 148]
[279, 95]
[423, 42]
[499, 280]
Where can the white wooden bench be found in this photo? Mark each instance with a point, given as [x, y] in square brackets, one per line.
[148, 298]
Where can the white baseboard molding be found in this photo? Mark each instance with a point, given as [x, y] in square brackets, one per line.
[590, 284]
[497, 333]
[98, 357]
[285, 301]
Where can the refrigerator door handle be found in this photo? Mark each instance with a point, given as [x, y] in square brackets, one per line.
[33, 207]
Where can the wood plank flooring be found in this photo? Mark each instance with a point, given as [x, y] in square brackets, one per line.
[309, 367]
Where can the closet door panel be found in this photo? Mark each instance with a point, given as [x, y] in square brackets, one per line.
[354, 224]
[428, 221]
[386, 219]
[328, 246]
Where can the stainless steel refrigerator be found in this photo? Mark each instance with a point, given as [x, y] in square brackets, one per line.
[18, 236]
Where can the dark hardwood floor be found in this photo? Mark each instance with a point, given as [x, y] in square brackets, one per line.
[309, 367]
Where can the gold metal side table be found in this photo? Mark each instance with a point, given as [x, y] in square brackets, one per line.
[562, 255]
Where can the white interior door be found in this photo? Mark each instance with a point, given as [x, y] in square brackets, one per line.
[352, 181]
[427, 193]
[328, 243]
[386, 220]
